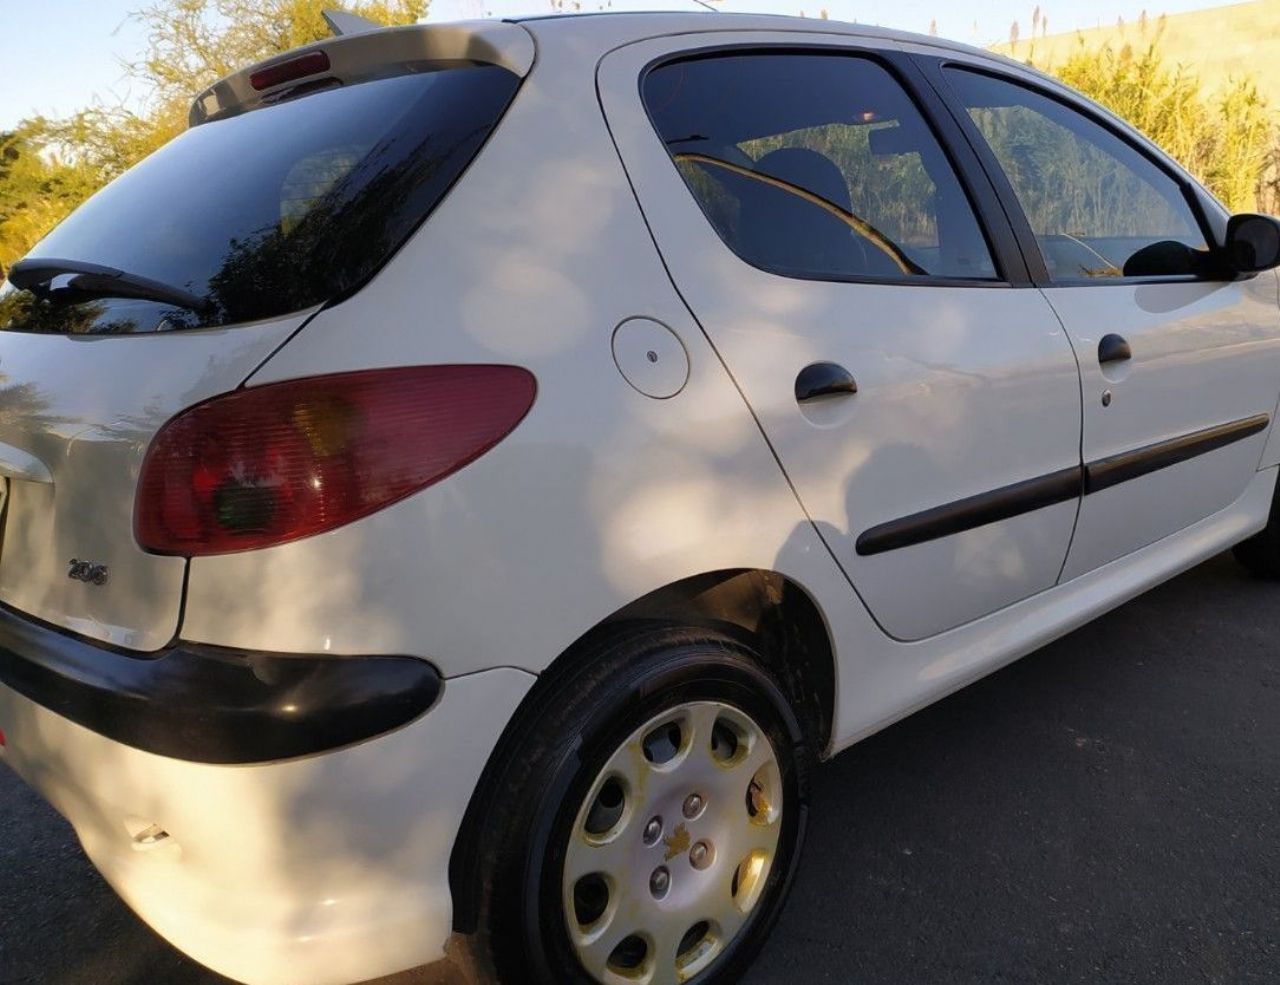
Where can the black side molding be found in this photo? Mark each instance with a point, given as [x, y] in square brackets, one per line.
[1107, 472]
[208, 704]
[976, 511]
[1048, 490]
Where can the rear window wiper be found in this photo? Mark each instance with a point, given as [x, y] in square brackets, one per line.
[37, 276]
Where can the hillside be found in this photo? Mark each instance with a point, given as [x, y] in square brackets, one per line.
[1216, 44]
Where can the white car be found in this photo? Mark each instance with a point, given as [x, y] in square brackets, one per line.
[456, 491]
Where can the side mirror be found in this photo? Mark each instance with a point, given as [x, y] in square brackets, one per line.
[1253, 243]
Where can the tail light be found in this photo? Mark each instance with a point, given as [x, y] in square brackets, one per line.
[275, 463]
[312, 63]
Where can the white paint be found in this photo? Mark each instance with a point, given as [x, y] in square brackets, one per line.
[318, 871]
[650, 357]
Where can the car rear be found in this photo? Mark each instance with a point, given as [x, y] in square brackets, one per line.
[129, 445]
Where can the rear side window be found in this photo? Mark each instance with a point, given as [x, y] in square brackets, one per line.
[816, 165]
[1093, 200]
[275, 210]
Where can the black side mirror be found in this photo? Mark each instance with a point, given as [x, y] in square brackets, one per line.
[1253, 243]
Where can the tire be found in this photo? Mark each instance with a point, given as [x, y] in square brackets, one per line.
[1260, 554]
[632, 720]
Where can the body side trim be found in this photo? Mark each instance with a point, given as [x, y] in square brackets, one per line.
[1056, 487]
[974, 511]
[1112, 471]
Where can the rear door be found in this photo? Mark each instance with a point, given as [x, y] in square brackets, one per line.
[921, 396]
[1181, 370]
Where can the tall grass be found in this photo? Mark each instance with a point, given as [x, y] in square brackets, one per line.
[1226, 137]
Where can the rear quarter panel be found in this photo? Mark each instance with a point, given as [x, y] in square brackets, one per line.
[600, 496]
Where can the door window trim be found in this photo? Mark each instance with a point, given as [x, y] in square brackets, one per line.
[971, 176]
[934, 70]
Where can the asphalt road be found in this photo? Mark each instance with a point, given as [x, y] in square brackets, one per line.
[1105, 811]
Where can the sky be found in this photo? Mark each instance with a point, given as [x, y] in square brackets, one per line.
[57, 56]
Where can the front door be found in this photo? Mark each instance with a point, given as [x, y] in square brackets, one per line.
[1180, 371]
[920, 394]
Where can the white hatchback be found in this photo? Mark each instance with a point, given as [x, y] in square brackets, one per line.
[455, 491]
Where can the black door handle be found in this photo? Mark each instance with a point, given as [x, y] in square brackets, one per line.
[1113, 349]
[824, 380]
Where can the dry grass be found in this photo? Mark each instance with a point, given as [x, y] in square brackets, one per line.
[1219, 44]
[1205, 85]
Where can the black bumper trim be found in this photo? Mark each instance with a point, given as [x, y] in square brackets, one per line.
[208, 704]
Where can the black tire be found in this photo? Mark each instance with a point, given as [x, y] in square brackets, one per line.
[1260, 554]
[553, 752]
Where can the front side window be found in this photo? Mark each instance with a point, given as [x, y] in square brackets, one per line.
[816, 165]
[1098, 207]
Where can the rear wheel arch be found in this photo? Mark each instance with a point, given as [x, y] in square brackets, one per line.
[771, 612]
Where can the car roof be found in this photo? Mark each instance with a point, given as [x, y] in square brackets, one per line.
[610, 29]
[591, 36]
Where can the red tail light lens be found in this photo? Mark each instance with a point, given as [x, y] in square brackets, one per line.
[275, 463]
[287, 71]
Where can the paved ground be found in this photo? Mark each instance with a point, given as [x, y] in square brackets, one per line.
[1105, 811]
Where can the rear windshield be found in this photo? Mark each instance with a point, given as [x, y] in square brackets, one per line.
[272, 211]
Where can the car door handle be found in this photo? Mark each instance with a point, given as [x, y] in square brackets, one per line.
[824, 380]
[1113, 349]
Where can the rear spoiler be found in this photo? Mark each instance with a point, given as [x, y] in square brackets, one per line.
[366, 54]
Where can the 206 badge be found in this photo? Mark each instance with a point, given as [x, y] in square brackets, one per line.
[88, 571]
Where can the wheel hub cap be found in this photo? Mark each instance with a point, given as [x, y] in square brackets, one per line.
[673, 845]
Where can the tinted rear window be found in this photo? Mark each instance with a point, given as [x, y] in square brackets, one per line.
[275, 210]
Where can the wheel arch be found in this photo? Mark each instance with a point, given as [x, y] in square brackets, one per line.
[777, 616]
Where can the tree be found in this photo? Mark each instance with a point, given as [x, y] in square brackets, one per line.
[36, 190]
[193, 43]
[48, 167]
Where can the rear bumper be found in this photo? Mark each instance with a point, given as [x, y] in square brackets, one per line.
[211, 704]
[324, 870]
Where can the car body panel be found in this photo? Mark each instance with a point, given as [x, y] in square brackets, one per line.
[961, 389]
[1271, 453]
[600, 496]
[86, 407]
[1204, 354]
[324, 870]
[895, 679]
